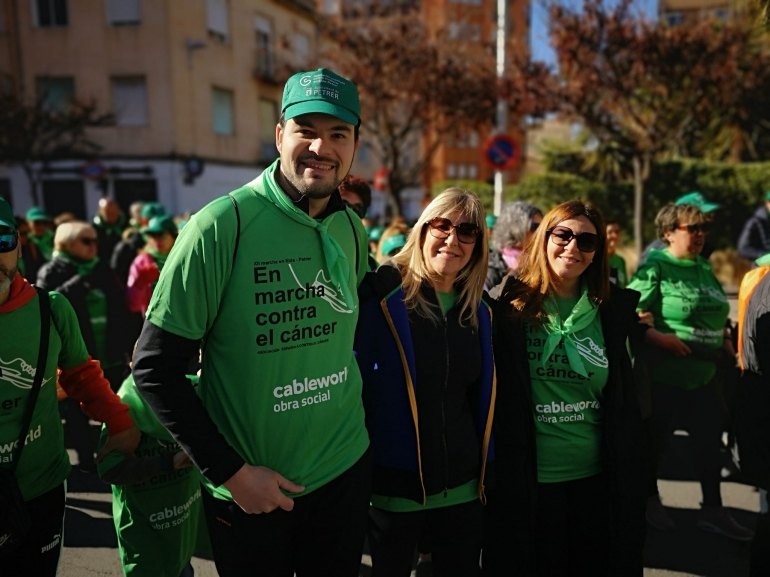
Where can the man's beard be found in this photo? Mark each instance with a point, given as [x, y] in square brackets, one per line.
[316, 189]
[6, 279]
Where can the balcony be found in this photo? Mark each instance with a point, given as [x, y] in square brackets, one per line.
[274, 66]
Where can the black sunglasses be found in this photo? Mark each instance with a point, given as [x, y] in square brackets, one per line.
[89, 241]
[562, 236]
[358, 208]
[693, 228]
[441, 228]
[8, 241]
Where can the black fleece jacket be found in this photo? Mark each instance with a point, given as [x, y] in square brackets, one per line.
[512, 506]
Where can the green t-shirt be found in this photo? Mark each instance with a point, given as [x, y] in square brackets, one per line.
[279, 377]
[96, 303]
[44, 463]
[462, 494]
[566, 405]
[619, 264]
[160, 523]
[447, 300]
[686, 299]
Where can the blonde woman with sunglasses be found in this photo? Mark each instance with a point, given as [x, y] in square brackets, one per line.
[424, 347]
[569, 440]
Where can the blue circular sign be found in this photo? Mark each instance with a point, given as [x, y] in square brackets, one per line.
[502, 152]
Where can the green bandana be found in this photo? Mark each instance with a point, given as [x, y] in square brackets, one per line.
[581, 316]
[84, 268]
[336, 259]
[158, 257]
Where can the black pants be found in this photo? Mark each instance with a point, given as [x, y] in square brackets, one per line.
[760, 548]
[700, 413]
[455, 535]
[323, 536]
[39, 554]
[572, 528]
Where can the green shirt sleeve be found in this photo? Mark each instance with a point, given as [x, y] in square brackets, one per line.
[647, 281]
[363, 247]
[196, 272]
[73, 350]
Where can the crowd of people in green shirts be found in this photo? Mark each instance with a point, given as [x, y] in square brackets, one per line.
[491, 394]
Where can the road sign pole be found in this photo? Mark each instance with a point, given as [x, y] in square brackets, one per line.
[502, 108]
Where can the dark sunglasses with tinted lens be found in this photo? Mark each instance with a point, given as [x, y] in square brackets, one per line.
[693, 228]
[586, 241]
[89, 241]
[9, 240]
[441, 228]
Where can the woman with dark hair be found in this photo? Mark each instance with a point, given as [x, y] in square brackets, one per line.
[569, 441]
[424, 348]
[513, 229]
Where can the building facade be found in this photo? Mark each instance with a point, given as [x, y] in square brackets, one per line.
[195, 88]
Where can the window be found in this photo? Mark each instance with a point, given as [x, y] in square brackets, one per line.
[674, 18]
[129, 99]
[301, 49]
[451, 170]
[722, 14]
[330, 7]
[56, 93]
[216, 18]
[268, 118]
[265, 56]
[222, 111]
[464, 31]
[123, 12]
[50, 13]
[473, 171]
[462, 171]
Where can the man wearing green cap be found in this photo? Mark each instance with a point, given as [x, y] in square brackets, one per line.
[41, 229]
[266, 280]
[754, 241]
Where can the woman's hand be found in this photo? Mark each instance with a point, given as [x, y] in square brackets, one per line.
[670, 342]
[647, 318]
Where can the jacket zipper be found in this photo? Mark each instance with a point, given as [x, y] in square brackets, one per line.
[443, 414]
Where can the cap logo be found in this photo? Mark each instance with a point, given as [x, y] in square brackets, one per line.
[305, 80]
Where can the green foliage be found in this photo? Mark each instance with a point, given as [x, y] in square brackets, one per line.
[738, 188]
[484, 190]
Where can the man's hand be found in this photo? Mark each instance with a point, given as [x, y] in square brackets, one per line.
[182, 460]
[647, 318]
[124, 442]
[257, 490]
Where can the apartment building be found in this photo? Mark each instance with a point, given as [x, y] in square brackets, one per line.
[676, 12]
[194, 85]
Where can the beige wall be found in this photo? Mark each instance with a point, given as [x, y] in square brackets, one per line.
[179, 84]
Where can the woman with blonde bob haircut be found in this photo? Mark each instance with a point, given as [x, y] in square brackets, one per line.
[570, 443]
[424, 347]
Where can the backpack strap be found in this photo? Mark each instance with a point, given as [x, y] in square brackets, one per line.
[37, 382]
[238, 232]
[355, 236]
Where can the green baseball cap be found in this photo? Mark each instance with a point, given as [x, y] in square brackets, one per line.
[151, 209]
[160, 224]
[491, 220]
[375, 233]
[392, 243]
[698, 200]
[321, 91]
[767, 195]
[6, 214]
[37, 213]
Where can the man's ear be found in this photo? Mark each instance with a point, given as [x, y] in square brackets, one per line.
[278, 137]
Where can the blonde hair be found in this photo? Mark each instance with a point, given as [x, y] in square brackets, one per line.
[415, 272]
[393, 229]
[67, 233]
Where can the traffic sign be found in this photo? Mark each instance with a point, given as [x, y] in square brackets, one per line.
[502, 152]
[93, 170]
[381, 179]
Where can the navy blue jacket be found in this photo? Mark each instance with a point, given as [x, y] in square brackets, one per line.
[428, 391]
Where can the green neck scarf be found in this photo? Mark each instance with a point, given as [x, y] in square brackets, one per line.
[582, 315]
[84, 268]
[336, 260]
[158, 257]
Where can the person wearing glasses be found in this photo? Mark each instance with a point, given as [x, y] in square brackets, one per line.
[690, 310]
[424, 347]
[160, 233]
[570, 456]
[517, 223]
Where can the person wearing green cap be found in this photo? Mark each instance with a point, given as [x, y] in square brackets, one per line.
[697, 200]
[161, 233]
[754, 241]
[267, 278]
[41, 227]
[43, 467]
[133, 240]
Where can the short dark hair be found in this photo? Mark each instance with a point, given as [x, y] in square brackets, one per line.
[282, 124]
[357, 185]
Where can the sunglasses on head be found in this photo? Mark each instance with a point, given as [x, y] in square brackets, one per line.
[441, 228]
[562, 236]
[9, 239]
[693, 228]
[88, 240]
